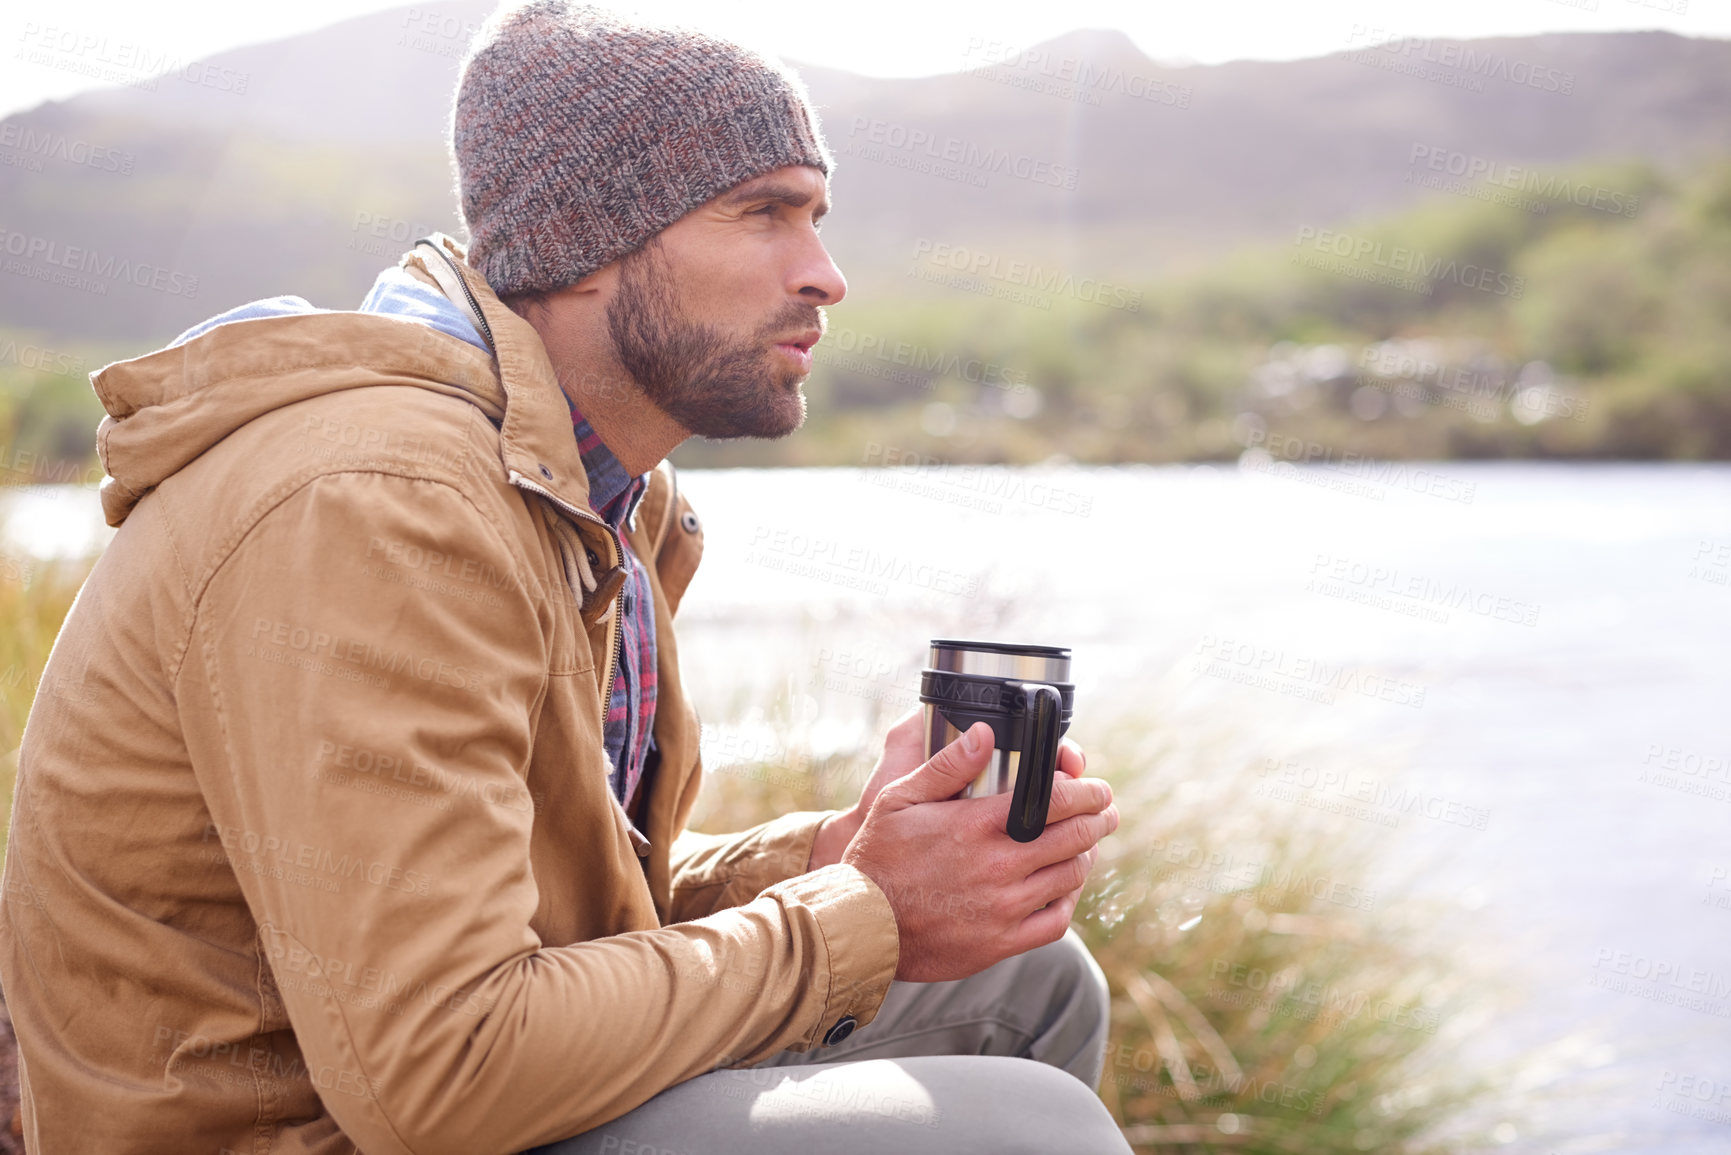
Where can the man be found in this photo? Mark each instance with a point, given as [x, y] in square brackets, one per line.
[346, 813]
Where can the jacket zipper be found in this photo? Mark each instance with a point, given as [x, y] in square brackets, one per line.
[474, 305]
[486, 329]
[614, 628]
[639, 843]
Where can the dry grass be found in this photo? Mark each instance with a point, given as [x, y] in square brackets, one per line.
[34, 599]
[1268, 996]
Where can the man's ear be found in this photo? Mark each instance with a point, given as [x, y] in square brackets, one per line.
[526, 305]
[601, 281]
[539, 303]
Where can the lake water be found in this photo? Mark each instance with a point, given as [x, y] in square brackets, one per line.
[1542, 650]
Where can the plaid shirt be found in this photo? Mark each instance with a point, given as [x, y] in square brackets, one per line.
[631, 712]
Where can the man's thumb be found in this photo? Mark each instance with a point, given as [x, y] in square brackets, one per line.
[951, 769]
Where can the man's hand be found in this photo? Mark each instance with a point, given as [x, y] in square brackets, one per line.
[965, 894]
[904, 750]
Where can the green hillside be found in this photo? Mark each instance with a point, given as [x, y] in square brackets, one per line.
[1465, 328]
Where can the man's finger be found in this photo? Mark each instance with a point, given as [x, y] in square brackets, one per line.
[954, 767]
[1050, 883]
[910, 727]
[1071, 760]
[1047, 925]
[1068, 838]
[1073, 796]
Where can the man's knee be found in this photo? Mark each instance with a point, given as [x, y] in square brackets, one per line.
[1038, 1109]
[1077, 1007]
[1067, 969]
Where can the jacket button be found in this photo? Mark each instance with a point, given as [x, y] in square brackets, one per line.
[688, 522]
[843, 1028]
[547, 473]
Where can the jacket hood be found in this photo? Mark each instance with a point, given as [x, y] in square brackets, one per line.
[167, 407]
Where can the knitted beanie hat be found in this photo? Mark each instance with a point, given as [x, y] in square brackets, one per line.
[578, 136]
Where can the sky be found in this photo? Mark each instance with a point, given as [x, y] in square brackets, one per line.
[882, 37]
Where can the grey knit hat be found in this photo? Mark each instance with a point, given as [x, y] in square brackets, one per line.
[578, 136]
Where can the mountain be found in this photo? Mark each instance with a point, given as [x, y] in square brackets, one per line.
[384, 77]
[303, 166]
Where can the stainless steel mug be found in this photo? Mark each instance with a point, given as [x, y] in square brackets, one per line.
[1024, 694]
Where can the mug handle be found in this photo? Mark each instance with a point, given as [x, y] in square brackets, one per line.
[1042, 709]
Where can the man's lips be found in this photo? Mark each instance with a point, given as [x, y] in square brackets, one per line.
[804, 341]
[800, 346]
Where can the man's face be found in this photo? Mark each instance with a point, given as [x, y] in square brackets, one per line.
[715, 318]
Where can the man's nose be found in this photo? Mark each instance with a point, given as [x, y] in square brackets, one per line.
[820, 282]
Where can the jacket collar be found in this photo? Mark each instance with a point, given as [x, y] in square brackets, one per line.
[167, 407]
[535, 439]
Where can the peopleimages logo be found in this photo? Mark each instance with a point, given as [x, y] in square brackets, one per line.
[1277, 454]
[40, 359]
[1480, 390]
[835, 562]
[104, 267]
[922, 144]
[1379, 801]
[984, 487]
[1388, 587]
[927, 363]
[1312, 679]
[1465, 60]
[1422, 270]
[1025, 274]
[33, 145]
[1069, 76]
[1662, 980]
[1470, 167]
[440, 33]
[117, 61]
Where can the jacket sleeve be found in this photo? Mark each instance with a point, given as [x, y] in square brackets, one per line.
[713, 872]
[394, 924]
[709, 872]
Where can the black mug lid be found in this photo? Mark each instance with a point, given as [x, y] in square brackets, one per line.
[1002, 648]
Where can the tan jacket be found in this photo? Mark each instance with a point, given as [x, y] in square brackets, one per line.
[313, 848]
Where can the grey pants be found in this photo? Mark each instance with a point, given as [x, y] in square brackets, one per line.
[942, 1069]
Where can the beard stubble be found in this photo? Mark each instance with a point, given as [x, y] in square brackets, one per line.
[713, 385]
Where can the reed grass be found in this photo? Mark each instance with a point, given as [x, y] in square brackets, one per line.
[34, 599]
[1272, 993]
[1267, 995]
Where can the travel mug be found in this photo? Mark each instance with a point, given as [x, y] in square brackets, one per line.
[1024, 694]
